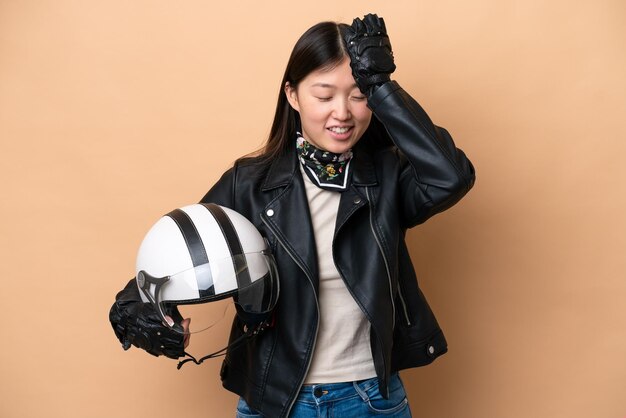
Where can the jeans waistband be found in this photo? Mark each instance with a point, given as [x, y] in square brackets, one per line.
[324, 392]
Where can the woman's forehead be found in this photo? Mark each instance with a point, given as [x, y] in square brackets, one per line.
[339, 76]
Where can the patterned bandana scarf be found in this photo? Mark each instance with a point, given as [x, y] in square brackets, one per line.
[326, 169]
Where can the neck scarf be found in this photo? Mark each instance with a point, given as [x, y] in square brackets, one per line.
[326, 169]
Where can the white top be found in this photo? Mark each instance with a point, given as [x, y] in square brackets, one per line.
[342, 352]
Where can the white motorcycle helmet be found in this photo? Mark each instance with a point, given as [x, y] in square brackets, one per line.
[203, 253]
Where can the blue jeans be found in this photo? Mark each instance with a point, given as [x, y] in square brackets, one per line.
[344, 400]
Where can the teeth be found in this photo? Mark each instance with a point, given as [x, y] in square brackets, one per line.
[339, 130]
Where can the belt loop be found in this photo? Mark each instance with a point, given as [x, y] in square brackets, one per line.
[361, 392]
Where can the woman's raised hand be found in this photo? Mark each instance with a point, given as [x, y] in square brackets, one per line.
[370, 52]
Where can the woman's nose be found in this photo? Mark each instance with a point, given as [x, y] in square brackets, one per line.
[341, 110]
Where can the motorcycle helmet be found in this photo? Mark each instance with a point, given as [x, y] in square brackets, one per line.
[202, 253]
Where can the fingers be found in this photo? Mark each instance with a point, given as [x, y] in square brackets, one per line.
[349, 35]
[185, 323]
[370, 25]
[382, 26]
[359, 27]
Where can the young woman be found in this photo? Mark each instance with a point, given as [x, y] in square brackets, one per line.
[352, 161]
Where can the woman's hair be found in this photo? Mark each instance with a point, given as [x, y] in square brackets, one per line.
[320, 47]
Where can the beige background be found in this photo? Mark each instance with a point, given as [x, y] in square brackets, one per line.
[115, 112]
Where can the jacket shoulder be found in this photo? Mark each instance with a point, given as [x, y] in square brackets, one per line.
[245, 172]
[251, 163]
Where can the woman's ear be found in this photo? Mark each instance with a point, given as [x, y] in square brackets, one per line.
[292, 96]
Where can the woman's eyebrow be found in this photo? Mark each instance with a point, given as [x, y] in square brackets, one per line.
[329, 86]
[326, 85]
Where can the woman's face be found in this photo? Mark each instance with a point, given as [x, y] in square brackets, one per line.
[333, 112]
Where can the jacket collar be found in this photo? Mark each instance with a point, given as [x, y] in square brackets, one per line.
[283, 169]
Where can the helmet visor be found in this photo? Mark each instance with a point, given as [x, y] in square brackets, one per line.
[250, 279]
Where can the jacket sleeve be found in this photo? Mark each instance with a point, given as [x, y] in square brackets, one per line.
[434, 174]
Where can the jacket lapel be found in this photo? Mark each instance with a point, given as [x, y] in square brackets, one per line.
[288, 216]
[354, 197]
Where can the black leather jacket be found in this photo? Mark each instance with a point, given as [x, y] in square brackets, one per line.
[393, 188]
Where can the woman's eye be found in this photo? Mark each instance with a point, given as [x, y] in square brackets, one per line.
[359, 98]
[324, 99]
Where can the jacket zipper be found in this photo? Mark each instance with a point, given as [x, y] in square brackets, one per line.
[406, 312]
[317, 326]
[404, 309]
[380, 247]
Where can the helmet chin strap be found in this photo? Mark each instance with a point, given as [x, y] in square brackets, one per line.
[249, 333]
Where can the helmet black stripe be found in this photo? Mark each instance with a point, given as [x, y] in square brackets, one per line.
[195, 246]
[234, 245]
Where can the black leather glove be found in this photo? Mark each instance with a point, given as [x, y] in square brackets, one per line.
[137, 323]
[370, 52]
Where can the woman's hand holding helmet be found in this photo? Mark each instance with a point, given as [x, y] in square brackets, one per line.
[185, 324]
[370, 52]
[137, 323]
